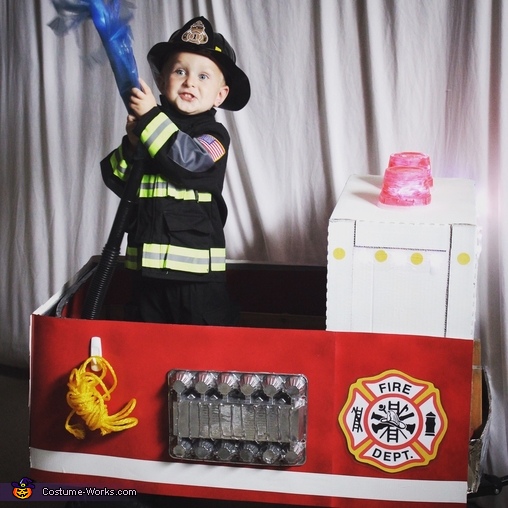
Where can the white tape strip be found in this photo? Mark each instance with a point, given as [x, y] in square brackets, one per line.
[250, 479]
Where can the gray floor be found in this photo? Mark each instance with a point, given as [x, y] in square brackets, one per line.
[14, 459]
[14, 428]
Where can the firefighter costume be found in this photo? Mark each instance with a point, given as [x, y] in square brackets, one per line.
[176, 241]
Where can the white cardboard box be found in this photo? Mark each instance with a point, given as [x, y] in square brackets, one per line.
[407, 270]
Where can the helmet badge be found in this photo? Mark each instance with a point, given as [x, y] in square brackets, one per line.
[196, 34]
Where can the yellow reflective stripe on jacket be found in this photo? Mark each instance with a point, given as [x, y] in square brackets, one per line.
[217, 259]
[132, 262]
[157, 132]
[172, 257]
[119, 164]
[155, 186]
[175, 258]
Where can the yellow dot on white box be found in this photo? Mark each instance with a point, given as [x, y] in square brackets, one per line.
[417, 258]
[381, 256]
[463, 258]
[339, 253]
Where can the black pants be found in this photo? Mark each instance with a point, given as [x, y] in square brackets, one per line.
[182, 302]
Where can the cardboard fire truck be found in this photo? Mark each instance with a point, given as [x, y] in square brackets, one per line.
[345, 385]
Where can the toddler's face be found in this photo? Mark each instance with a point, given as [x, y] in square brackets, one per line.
[193, 83]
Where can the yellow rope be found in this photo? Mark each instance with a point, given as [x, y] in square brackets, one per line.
[87, 396]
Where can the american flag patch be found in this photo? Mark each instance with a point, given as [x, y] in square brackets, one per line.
[213, 146]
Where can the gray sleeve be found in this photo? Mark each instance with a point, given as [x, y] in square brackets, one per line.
[190, 154]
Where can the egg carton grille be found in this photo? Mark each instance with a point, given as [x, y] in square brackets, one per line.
[238, 417]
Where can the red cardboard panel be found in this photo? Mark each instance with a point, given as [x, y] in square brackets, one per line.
[381, 371]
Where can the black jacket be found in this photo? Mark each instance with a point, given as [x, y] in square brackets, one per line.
[177, 229]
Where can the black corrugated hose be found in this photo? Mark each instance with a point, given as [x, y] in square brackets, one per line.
[105, 269]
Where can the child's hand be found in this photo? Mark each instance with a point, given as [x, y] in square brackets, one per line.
[141, 101]
[129, 128]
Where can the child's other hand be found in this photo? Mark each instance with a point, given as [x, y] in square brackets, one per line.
[129, 128]
[141, 100]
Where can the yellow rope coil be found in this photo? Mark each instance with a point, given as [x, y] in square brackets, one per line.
[87, 396]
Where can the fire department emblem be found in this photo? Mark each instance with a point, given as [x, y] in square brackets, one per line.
[196, 34]
[393, 421]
